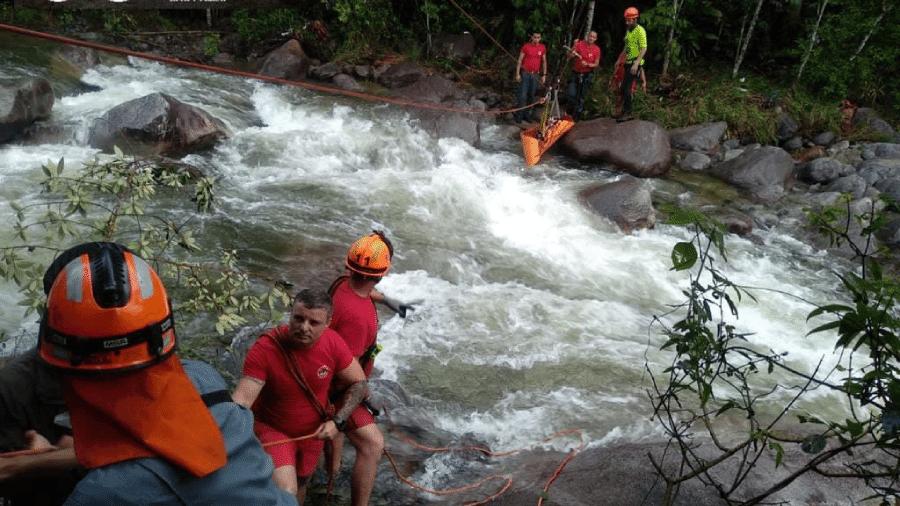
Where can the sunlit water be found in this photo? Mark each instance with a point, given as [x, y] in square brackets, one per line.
[532, 314]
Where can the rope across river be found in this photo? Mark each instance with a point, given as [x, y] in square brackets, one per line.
[508, 480]
[249, 75]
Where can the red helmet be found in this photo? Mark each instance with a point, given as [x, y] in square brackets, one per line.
[370, 255]
[632, 13]
[107, 311]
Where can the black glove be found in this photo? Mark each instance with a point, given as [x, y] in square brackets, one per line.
[398, 307]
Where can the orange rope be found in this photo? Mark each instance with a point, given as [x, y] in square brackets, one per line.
[309, 86]
[509, 479]
[19, 453]
[289, 440]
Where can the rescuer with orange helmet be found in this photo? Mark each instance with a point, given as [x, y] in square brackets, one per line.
[148, 427]
[633, 53]
[355, 318]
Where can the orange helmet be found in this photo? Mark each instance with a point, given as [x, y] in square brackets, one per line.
[632, 13]
[107, 311]
[370, 255]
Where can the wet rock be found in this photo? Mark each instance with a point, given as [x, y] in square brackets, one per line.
[639, 148]
[866, 117]
[22, 102]
[787, 127]
[793, 144]
[698, 137]
[345, 82]
[156, 124]
[626, 202]
[853, 184]
[881, 150]
[324, 72]
[824, 139]
[287, 62]
[823, 170]
[766, 172]
[457, 47]
[694, 162]
[402, 74]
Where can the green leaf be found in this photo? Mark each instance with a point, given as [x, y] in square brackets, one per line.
[813, 444]
[779, 452]
[684, 256]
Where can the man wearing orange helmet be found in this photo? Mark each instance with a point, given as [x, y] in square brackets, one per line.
[356, 320]
[149, 428]
[633, 52]
[286, 379]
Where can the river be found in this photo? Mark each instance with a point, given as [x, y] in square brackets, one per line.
[532, 314]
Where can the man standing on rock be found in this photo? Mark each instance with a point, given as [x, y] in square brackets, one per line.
[634, 51]
[586, 55]
[531, 72]
[356, 320]
[286, 378]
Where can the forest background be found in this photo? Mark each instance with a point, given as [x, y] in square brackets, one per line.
[708, 60]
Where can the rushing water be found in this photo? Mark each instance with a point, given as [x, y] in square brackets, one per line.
[532, 314]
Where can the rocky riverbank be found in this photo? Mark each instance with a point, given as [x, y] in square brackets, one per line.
[751, 187]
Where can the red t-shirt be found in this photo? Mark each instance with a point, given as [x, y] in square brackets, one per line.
[354, 318]
[283, 403]
[533, 55]
[589, 53]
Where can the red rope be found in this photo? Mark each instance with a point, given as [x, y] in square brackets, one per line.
[509, 479]
[309, 86]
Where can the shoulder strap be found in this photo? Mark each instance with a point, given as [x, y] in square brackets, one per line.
[325, 411]
[336, 283]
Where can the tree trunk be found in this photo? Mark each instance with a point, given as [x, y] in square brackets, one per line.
[884, 10]
[590, 19]
[743, 50]
[676, 8]
[812, 39]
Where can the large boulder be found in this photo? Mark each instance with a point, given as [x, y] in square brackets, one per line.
[288, 62]
[461, 125]
[766, 172]
[626, 202]
[156, 124]
[867, 117]
[639, 148]
[823, 170]
[401, 74]
[442, 120]
[433, 89]
[22, 102]
[703, 137]
[457, 47]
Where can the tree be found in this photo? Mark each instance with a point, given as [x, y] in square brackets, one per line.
[813, 37]
[745, 39]
[716, 371]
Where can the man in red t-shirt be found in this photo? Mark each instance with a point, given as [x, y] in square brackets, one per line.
[356, 320]
[531, 72]
[586, 57]
[290, 399]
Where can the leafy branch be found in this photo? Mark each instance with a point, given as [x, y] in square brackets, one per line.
[129, 200]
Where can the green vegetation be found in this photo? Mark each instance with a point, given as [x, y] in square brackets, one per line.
[715, 374]
[112, 200]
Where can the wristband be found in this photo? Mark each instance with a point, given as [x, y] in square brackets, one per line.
[340, 423]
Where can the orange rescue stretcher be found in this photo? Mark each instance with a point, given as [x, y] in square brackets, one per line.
[539, 138]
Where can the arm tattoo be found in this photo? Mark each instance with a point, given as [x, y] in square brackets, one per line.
[354, 394]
